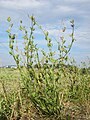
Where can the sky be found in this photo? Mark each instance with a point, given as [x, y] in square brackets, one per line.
[51, 15]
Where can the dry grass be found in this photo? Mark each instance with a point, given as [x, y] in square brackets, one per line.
[78, 110]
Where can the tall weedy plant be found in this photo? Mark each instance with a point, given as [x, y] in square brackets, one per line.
[42, 77]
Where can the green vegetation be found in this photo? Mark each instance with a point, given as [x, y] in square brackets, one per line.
[43, 88]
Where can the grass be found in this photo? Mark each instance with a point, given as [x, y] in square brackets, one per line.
[75, 107]
[10, 78]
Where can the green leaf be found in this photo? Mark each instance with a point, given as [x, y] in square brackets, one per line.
[49, 45]
[64, 41]
[46, 33]
[52, 60]
[20, 28]
[11, 25]
[32, 18]
[20, 21]
[17, 56]
[8, 31]
[59, 47]
[33, 37]
[25, 37]
[43, 52]
[8, 19]
[12, 36]
[11, 46]
[10, 53]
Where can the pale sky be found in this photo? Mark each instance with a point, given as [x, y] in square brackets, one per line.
[49, 14]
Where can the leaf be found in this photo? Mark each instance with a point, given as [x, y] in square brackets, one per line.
[52, 60]
[43, 52]
[8, 31]
[20, 28]
[8, 19]
[59, 47]
[32, 18]
[20, 21]
[49, 45]
[33, 37]
[25, 37]
[17, 56]
[64, 41]
[11, 25]
[11, 46]
[12, 36]
[46, 33]
[10, 53]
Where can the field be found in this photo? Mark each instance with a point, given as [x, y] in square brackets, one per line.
[15, 105]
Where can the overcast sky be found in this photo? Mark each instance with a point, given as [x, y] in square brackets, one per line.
[49, 14]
